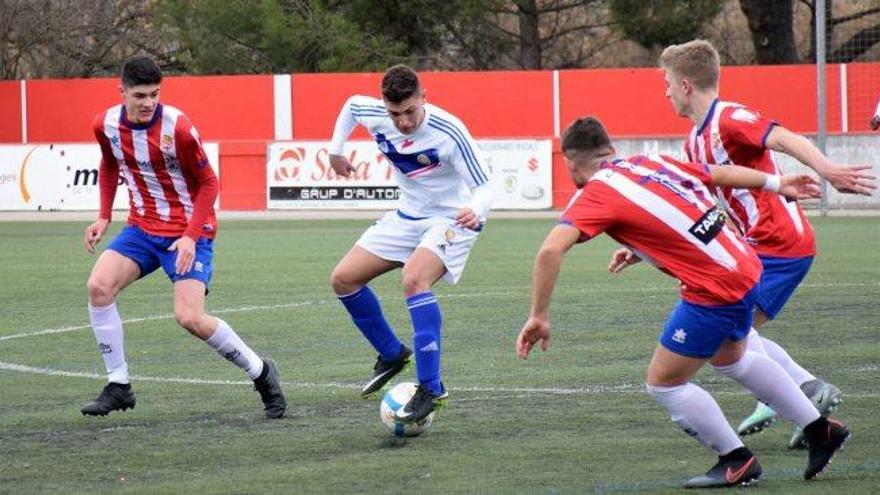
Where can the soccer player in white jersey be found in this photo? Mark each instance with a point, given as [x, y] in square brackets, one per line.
[726, 132]
[875, 120]
[171, 224]
[445, 197]
[661, 210]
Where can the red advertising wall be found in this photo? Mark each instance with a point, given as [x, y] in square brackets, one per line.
[221, 107]
[10, 112]
[492, 104]
[238, 111]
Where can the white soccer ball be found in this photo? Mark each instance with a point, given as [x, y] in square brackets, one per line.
[395, 399]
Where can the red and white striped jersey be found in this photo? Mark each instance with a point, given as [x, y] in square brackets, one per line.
[773, 224]
[171, 184]
[662, 210]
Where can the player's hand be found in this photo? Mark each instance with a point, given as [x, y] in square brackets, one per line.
[94, 233]
[535, 329]
[799, 186]
[467, 218]
[341, 165]
[621, 259]
[854, 179]
[186, 254]
[875, 122]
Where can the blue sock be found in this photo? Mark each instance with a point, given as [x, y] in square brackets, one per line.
[427, 322]
[367, 316]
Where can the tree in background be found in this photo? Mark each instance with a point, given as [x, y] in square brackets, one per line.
[85, 38]
[241, 36]
[772, 28]
[661, 23]
[75, 38]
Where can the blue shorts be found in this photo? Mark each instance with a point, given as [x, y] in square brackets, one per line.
[780, 278]
[151, 251]
[698, 331]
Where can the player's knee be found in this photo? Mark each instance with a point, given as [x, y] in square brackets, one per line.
[101, 293]
[342, 282]
[412, 284]
[188, 319]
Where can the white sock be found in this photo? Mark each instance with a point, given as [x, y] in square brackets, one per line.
[755, 343]
[228, 344]
[107, 326]
[697, 413]
[794, 370]
[764, 378]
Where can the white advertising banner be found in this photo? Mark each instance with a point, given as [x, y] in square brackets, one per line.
[59, 177]
[299, 175]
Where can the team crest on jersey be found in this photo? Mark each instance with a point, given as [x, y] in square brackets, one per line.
[167, 143]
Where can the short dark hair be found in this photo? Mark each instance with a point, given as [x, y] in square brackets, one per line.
[399, 83]
[140, 70]
[585, 134]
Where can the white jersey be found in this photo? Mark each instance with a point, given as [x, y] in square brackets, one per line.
[437, 167]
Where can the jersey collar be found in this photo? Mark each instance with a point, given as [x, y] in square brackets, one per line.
[708, 116]
[123, 119]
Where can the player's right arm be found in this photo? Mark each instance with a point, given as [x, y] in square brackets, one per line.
[799, 186]
[353, 112]
[108, 181]
[544, 276]
[855, 179]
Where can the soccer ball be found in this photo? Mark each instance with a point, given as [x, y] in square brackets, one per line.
[395, 399]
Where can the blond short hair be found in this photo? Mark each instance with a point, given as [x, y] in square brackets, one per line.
[697, 61]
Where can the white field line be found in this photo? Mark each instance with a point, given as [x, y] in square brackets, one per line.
[508, 392]
[523, 391]
[244, 309]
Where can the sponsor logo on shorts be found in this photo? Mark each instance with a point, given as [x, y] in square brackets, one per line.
[679, 336]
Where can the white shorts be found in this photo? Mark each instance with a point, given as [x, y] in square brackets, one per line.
[394, 238]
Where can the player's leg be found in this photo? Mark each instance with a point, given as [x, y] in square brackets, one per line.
[126, 258]
[349, 281]
[771, 384]
[442, 253]
[382, 248]
[189, 310]
[689, 338]
[421, 271]
[779, 280]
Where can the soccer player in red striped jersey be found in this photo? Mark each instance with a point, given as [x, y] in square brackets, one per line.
[726, 132]
[171, 225]
[663, 212]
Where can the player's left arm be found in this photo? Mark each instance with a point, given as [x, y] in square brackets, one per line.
[194, 162]
[469, 164]
[548, 262]
[856, 179]
[800, 186]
